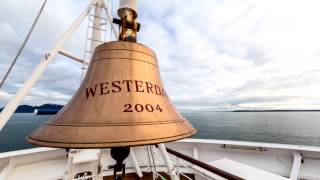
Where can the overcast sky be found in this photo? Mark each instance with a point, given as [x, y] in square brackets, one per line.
[213, 55]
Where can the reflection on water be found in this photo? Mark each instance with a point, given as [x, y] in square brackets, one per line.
[12, 136]
[300, 128]
[274, 127]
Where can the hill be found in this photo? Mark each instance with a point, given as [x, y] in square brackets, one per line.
[30, 109]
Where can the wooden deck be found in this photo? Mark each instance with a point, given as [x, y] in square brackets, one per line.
[146, 176]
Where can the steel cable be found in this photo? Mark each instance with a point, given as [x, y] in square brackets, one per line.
[23, 45]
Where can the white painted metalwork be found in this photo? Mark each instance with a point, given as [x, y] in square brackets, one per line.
[177, 166]
[51, 163]
[108, 14]
[4, 173]
[152, 161]
[69, 55]
[251, 144]
[33, 78]
[132, 4]
[30, 82]
[195, 152]
[82, 161]
[97, 26]
[23, 45]
[211, 150]
[69, 166]
[136, 163]
[168, 162]
[296, 165]
[96, 30]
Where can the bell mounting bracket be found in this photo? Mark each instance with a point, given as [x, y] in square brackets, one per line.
[128, 24]
[119, 154]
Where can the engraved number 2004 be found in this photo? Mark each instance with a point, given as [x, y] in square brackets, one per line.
[140, 108]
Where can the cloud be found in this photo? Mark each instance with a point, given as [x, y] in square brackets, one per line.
[55, 19]
[212, 54]
[235, 53]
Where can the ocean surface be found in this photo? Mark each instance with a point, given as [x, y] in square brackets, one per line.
[300, 128]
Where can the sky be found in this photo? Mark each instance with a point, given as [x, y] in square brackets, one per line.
[212, 54]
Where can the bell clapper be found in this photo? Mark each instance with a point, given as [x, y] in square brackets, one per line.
[119, 154]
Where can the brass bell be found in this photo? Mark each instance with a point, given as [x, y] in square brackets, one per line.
[120, 103]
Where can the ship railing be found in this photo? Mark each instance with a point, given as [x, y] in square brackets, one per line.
[195, 162]
[180, 173]
[182, 170]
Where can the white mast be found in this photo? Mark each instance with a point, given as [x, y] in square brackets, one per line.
[33, 78]
[96, 31]
[12, 105]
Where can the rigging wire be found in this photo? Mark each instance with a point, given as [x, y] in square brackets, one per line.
[23, 44]
[111, 10]
[152, 157]
[149, 158]
[154, 173]
[154, 164]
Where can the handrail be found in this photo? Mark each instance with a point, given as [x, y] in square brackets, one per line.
[205, 166]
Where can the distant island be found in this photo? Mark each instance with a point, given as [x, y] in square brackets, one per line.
[30, 109]
[277, 110]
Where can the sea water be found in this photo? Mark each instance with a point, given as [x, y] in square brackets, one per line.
[300, 128]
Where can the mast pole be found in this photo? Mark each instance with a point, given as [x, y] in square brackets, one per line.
[128, 24]
[109, 17]
[96, 32]
[33, 78]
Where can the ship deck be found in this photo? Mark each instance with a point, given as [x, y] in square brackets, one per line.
[148, 176]
[278, 161]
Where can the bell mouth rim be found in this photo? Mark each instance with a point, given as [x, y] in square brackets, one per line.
[116, 124]
[96, 145]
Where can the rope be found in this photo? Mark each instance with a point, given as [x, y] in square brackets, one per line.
[149, 159]
[154, 172]
[23, 44]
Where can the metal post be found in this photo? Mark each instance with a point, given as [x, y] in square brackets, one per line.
[113, 29]
[13, 104]
[4, 173]
[69, 55]
[168, 162]
[136, 163]
[178, 166]
[69, 166]
[205, 166]
[195, 152]
[296, 165]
